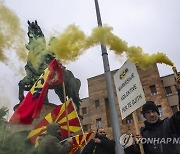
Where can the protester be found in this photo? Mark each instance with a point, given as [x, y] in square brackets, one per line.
[162, 132]
[100, 144]
[133, 149]
[50, 143]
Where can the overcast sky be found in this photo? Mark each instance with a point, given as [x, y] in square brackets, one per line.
[152, 24]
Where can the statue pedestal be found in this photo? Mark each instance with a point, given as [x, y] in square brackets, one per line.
[47, 108]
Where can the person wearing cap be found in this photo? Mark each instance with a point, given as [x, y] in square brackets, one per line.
[100, 144]
[50, 143]
[161, 131]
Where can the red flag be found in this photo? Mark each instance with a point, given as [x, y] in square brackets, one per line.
[58, 115]
[31, 106]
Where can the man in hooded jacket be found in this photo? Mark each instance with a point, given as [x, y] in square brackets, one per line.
[50, 143]
[162, 132]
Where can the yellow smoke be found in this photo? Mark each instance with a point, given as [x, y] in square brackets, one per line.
[11, 35]
[71, 44]
[145, 60]
[135, 54]
[37, 49]
[105, 36]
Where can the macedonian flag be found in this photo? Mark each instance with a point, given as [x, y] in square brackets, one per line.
[31, 106]
[58, 115]
[80, 140]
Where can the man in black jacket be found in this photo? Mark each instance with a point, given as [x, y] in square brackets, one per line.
[100, 144]
[163, 133]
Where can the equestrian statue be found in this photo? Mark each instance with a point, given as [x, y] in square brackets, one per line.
[37, 60]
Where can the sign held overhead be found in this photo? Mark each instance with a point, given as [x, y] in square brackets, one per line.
[129, 89]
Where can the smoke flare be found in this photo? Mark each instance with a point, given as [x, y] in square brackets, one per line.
[11, 35]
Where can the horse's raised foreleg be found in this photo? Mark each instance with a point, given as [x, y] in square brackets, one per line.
[59, 91]
[21, 90]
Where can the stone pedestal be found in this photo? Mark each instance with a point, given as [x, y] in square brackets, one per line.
[47, 108]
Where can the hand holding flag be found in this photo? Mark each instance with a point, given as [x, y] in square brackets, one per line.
[80, 140]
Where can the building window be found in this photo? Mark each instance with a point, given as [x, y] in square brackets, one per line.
[160, 111]
[153, 90]
[129, 119]
[168, 91]
[85, 128]
[84, 110]
[99, 123]
[97, 104]
[174, 108]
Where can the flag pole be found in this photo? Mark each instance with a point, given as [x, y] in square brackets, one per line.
[67, 120]
[79, 121]
[134, 114]
[110, 90]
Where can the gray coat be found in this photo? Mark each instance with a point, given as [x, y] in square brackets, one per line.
[50, 144]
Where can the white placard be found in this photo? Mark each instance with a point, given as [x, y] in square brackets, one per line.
[129, 89]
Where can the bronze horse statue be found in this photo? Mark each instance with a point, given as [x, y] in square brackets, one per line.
[39, 55]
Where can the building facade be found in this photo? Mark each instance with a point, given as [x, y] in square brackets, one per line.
[95, 108]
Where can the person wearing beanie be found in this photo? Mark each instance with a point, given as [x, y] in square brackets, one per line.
[50, 143]
[150, 112]
[159, 131]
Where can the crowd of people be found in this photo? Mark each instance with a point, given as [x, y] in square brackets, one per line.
[154, 127]
[165, 135]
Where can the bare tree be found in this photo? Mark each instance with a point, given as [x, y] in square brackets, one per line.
[3, 113]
